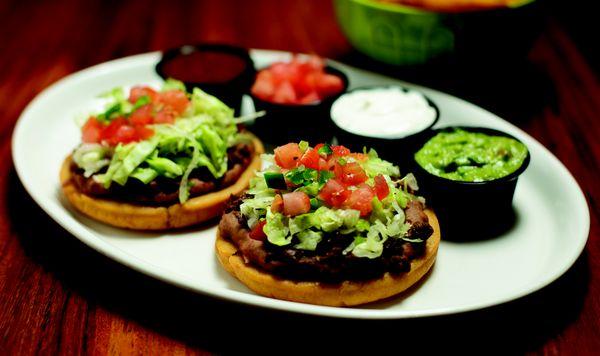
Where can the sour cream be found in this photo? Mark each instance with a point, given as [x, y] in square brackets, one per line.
[383, 112]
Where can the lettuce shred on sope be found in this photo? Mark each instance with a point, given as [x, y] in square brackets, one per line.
[198, 138]
[306, 231]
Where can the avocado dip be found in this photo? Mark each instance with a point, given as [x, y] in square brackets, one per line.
[471, 156]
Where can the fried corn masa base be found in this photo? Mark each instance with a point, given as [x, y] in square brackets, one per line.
[140, 217]
[346, 293]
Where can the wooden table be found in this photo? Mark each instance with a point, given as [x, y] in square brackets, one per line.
[57, 295]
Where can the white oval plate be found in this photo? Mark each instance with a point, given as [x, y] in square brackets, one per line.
[550, 232]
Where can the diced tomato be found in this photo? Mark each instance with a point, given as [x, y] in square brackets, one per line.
[311, 97]
[305, 83]
[351, 174]
[165, 116]
[125, 134]
[295, 203]
[284, 93]
[360, 199]
[334, 193]
[340, 151]
[133, 128]
[310, 159]
[315, 63]
[283, 71]
[299, 81]
[308, 66]
[323, 166]
[338, 169]
[117, 131]
[332, 165]
[143, 115]
[143, 132]
[91, 131]
[264, 86]
[277, 205]
[381, 187]
[175, 99]
[138, 91]
[287, 156]
[257, 232]
[329, 84]
[109, 132]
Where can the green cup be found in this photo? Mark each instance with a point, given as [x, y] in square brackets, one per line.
[404, 35]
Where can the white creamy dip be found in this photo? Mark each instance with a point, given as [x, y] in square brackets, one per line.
[385, 112]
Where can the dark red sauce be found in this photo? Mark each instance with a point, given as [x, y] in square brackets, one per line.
[204, 67]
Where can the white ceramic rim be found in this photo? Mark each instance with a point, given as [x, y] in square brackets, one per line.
[235, 296]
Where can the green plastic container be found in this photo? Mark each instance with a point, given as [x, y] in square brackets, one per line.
[404, 35]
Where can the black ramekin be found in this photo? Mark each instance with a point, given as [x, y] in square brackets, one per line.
[230, 91]
[470, 210]
[398, 150]
[285, 123]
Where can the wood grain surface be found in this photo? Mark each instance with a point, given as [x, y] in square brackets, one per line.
[59, 296]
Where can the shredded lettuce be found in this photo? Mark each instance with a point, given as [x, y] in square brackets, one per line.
[358, 239]
[172, 84]
[256, 208]
[302, 222]
[138, 154]
[368, 234]
[92, 157]
[370, 248]
[259, 188]
[350, 217]
[375, 166]
[327, 219]
[401, 197]
[379, 213]
[396, 225]
[303, 145]
[199, 138]
[386, 221]
[410, 181]
[276, 229]
[309, 240]
[165, 167]
[120, 152]
[206, 105]
[184, 192]
[362, 225]
[144, 175]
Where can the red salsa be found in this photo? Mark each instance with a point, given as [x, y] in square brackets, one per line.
[209, 67]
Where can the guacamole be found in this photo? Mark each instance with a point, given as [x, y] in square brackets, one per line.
[471, 156]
